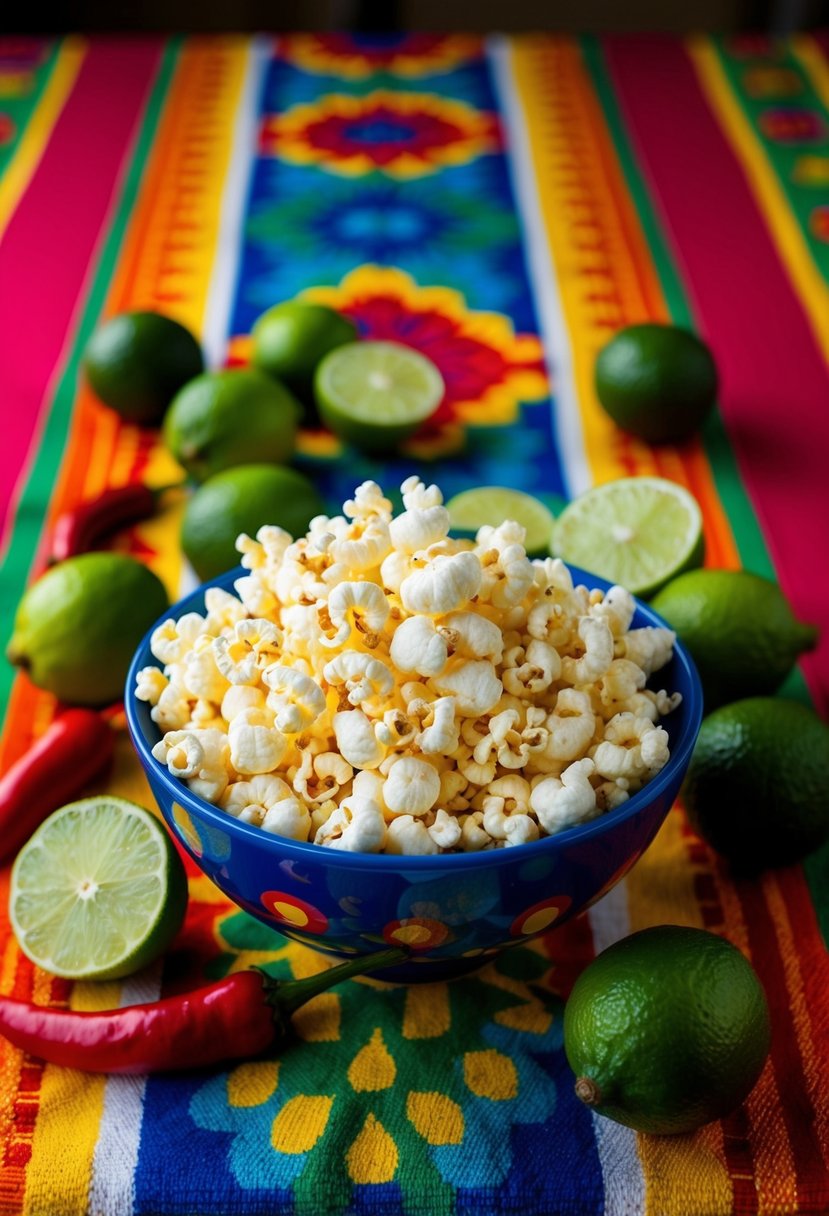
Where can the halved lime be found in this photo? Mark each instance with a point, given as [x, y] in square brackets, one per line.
[376, 394]
[472, 509]
[98, 891]
[636, 531]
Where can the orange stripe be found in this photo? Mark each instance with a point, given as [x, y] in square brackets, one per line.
[757, 1133]
[607, 276]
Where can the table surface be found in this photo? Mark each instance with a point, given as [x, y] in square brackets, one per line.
[503, 205]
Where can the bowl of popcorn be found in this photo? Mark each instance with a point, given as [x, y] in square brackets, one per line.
[380, 734]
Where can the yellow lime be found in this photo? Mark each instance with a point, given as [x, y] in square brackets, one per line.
[636, 531]
[739, 628]
[228, 418]
[77, 626]
[98, 892]
[657, 381]
[475, 508]
[290, 339]
[376, 394]
[243, 500]
[137, 362]
[756, 788]
[666, 1030]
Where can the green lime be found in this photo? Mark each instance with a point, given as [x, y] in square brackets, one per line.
[636, 531]
[376, 394]
[657, 381]
[290, 339]
[666, 1030]
[98, 892]
[138, 361]
[77, 626]
[739, 629]
[243, 500]
[228, 418]
[756, 786]
[472, 509]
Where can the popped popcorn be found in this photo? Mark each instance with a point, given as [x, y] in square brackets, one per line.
[379, 686]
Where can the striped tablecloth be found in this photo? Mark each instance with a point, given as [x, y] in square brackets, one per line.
[502, 205]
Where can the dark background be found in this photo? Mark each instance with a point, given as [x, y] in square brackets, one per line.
[585, 16]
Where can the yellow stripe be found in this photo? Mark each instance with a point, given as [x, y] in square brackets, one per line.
[33, 142]
[599, 280]
[784, 230]
[686, 1174]
[66, 1132]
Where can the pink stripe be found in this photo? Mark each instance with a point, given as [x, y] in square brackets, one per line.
[775, 394]
[48, 249]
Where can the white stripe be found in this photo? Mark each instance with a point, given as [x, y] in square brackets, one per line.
[617, 1146]
[609, 920]
[220, 295]
[112, 1186]
[542, 274]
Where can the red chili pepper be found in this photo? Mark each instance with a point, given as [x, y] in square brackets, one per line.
[235, 1018]
[84, 527]
[75, 748]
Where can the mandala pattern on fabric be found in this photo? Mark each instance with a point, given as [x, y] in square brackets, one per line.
[792, 125]
[435, 227]
[356, 57]
[19, 60]
[362, 1109]
[403, 135]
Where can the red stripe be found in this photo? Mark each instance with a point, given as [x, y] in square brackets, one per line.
[796, 1106]
[50, 242]
[813, 961]
[775, 380]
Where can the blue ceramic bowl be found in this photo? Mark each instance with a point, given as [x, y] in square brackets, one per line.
[450, 911]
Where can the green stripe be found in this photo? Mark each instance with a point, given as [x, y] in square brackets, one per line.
[16, 566]
[788, 159]
[749, 539]
[20, 109]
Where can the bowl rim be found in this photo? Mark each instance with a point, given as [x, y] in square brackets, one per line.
[307, 851]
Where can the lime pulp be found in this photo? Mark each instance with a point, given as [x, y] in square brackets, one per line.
[98, 891]
[492, 505]
[376, 394]
[636, 531]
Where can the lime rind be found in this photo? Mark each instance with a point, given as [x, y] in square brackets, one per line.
[98, 891]
[492, 505]
[636, 531]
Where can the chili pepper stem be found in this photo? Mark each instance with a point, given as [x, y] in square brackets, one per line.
[289, 995]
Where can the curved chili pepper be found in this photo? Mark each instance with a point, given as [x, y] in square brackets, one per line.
[84, 526]
[75, 748]
[235, 1018]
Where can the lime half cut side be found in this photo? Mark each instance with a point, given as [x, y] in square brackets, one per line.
[492, 505]
[98, 892]
[636, 531]
[376, 394]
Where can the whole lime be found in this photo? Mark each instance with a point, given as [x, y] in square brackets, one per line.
[739, 628]
[658, 382]
[136, 363]
[77, 626]
[756, 787]
[228, 418]
[243, 500]
[290, 339]
[666, 1030]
